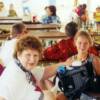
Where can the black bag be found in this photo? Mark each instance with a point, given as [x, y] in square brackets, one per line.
[79, 79]
[72, 82]
[93, 84]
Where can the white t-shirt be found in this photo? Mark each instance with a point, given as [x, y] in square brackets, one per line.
[7, 50]
[15, 86]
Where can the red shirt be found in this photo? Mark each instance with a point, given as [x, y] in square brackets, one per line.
[63, 50]
[60, 51]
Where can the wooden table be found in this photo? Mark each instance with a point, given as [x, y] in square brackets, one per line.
[43, 26]
[45, 37]
[7, 22]
[50, 35]
[42, 35]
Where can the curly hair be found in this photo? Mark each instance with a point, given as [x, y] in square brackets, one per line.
[27, 42]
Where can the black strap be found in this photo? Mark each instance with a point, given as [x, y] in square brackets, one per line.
[89, 66]
[29, 75]
[94, 80]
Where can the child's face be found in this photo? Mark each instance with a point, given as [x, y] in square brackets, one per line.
[49, 13]
[29, 58]
[82, 44]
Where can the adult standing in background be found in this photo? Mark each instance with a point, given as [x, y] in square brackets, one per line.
[82, 13]
[7, 48]
[97, 18]
[51, 16]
